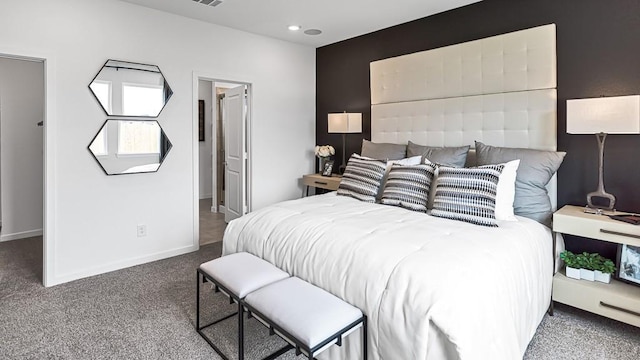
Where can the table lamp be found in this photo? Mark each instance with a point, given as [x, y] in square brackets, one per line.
[345, 123]
[602, 116]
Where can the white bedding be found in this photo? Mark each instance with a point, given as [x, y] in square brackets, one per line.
[431, 287]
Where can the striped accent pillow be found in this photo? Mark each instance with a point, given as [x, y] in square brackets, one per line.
[407, 186]
[362, 178]
[467, 194]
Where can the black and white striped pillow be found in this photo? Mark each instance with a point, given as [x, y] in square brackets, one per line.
[362, 178]
[408, 186]
[467, 194]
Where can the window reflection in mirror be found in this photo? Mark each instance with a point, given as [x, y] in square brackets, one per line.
[141, 99]
[138, 138]
[130, 146]
[130, 89]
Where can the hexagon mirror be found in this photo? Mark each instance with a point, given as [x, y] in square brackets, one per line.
[129, 89]
[130, 146]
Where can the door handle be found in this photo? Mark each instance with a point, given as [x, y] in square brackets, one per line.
[605, 231]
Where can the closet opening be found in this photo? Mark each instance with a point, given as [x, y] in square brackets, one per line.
[22, 121]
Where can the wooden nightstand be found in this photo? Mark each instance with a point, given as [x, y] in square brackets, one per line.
[321, 182]
[617, 300]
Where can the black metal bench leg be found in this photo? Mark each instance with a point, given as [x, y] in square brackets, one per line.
[197, 300]
[364, 338]
[240, 331]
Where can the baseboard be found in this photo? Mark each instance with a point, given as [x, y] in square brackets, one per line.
[220, 209]
[205, 196]
[119, 265]
[21, 235]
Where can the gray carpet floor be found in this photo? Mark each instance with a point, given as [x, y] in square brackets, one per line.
[148, 312]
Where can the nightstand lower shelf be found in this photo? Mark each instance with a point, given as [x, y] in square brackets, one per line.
[610, 300]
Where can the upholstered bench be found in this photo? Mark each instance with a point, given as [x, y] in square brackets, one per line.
[236, 275]
[307, 317]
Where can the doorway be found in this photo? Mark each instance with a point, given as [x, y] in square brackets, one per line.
[22, 112]
[223, 116]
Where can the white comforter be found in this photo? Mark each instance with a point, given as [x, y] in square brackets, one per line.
[478, 292]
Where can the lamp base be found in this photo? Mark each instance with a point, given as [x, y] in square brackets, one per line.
[601, 194]
[344, 152]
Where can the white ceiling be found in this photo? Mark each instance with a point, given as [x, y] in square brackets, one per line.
[338, 19]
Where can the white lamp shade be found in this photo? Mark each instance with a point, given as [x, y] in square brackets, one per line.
[609, 115]
[345, 123]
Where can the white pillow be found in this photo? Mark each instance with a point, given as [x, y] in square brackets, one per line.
[506, 191]
[414, 160]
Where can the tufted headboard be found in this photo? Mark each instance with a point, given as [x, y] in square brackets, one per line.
[499, 90]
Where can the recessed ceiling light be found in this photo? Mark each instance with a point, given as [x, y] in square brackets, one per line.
[313, 32]
[294, 27]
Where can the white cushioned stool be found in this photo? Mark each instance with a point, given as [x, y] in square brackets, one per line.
[309, 318]
[236, 275]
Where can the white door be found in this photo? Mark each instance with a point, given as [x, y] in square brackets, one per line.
[234, 117]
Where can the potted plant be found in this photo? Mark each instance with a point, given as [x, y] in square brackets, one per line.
[605, 269]
[570, 259]
[588, 264]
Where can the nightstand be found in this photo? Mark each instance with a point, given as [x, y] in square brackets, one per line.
[321, 182]
[617, 300]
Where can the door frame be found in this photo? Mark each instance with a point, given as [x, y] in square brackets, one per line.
[241, 80]
[48, 158]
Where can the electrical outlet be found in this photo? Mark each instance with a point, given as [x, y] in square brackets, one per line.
[142, 230]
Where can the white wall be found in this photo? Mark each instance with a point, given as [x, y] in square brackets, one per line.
[21, 108]
[205, 92]
[91, 218]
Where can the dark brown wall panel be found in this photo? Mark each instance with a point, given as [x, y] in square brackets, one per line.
[598, 49]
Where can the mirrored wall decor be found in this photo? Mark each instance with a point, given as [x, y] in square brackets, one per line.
[131, 90]
[130, 146]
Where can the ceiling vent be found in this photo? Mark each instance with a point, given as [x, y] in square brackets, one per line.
[209, 2]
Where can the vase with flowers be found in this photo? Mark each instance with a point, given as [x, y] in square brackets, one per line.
[324, 154]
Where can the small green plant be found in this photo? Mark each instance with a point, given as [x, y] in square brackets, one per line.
[607, 267]
[569, 258]
[588, 261]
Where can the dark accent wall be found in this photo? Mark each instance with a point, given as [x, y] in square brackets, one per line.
[598, 50]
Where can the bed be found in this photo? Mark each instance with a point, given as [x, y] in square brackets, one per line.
[432, 288]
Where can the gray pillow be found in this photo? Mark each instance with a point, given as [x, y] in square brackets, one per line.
[535, 170]
[449, 156]
[383, 151]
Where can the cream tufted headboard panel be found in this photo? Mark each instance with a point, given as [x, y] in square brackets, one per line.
[517, 61]
[499, 90]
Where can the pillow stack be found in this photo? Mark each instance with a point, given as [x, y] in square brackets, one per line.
[507, 182]
[536, 169]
